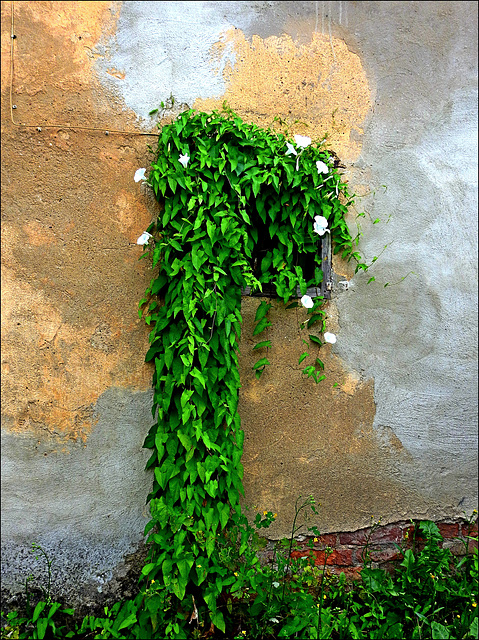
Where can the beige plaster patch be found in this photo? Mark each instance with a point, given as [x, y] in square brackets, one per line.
[319, 88]
[350, 383]
[37, 234]
[302, 438]
[53, 384]
[61, 52]
[120, 75]
[53, 372]
[71, 212]
[126, 204]
[81, 23]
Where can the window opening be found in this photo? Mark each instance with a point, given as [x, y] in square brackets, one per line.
[264, 249]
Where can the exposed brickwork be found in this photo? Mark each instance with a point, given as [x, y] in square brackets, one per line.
[326, 540]
[472, 544]
[386, 554]
[339, 557]
[382, 544]
[449, 530]
[469, 530]
[387, 533]
[457, 547]
[351, 573]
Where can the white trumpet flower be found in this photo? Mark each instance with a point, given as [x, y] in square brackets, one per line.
[322, 167]
[329, 337]
[320, 225]
[291, 149]
[184, 159]
[307, 302]
[302, 141]
[144, 238]
[139, 175]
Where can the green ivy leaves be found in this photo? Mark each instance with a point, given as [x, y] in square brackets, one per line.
[237, 212]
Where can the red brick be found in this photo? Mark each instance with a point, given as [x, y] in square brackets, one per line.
[389, 567]
[410, 534]
[388, 533]
[340, 557]
[353, 537]
[386, 554]
[326, 540]
[295, 555]
[469, 530]
[448, 530]
[351, 573]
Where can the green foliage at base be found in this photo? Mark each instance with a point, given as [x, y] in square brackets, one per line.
[430, 594]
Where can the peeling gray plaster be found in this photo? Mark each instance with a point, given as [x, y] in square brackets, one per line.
[418, 339]
[164, 48]
[84, 506]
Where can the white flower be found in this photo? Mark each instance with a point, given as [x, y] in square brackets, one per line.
[139, 175]
[329, 337]
[307, 302]
[322, 167]
[291, 149]
[184, 159]
[144, 238]
[302, 141]
[274, 619]
[275, 585]
[320, 225]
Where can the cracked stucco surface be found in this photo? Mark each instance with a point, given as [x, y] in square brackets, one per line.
[394, 85]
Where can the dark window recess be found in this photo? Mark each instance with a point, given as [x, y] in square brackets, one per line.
[305, 261]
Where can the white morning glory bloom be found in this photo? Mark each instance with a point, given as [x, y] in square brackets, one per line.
[307, 302]
[322, 167]
[329, 337]
[275, 584]
[184, 159]
[320, 225]
[139, 175]
[274, 620]
[291, 149]
[302, 141]
[144, 238]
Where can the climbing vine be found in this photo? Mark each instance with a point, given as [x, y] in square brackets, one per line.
[241, 207]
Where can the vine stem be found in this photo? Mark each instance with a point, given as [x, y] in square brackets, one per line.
[214, 316]
[294, 530]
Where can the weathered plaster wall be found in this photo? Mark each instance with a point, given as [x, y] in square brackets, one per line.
[393, 84]
[75, 390]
